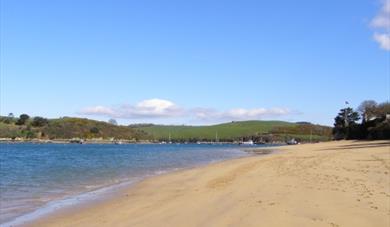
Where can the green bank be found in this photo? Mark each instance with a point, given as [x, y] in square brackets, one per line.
[68, 127]
[265, 131]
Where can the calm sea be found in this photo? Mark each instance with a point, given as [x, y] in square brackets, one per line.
[38, 178]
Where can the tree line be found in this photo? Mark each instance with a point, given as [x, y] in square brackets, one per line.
[369, 121]
[24, 119]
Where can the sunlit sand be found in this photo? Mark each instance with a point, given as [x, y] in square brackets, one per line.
[326, 184]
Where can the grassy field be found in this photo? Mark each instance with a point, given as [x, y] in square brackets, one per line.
[236, 131]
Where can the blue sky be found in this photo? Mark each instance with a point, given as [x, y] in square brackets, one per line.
[192, 62]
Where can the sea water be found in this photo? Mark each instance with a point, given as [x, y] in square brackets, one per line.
[38, 178]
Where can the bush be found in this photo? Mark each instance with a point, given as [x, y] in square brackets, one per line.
[22, 119]
[6, 120]
[379, 131]
[39, 122]
[94, 130]
[356, 131]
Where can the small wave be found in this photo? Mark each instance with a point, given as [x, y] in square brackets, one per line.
[55, 205]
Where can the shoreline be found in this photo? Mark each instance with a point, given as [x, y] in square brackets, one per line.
[84, 199]
[121, 141]
[105, 193]
[285, 189]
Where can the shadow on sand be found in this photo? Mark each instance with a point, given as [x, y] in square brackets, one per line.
[360, 145]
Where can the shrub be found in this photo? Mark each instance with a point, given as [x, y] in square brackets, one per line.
[39, 122]
[22, 119]
[94, 130]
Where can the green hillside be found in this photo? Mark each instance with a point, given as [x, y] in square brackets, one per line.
[67, 128]
[278, 130]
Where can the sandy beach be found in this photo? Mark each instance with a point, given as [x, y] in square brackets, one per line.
[326, 184]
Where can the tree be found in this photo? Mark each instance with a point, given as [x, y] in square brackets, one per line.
[367, 109]
[344, 121]
[378, 127]
[112, 121]
[346, 117]
[94, 130]
[39, 122]
[22, 119]
[383, 109]
[11, 115]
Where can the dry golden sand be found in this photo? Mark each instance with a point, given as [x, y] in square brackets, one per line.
[326, 184]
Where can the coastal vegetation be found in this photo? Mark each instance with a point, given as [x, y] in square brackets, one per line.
[370, 120]
[64, 128]
[258, 131]
[23, 127]
[374, 124]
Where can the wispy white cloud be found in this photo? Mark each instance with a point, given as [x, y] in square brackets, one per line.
[381, 24]
[151, 108]
[97, 110]
[159, 108]
[239, 113]
[383, 40]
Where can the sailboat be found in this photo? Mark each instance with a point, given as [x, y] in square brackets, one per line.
[248, 143]
[216, 138]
